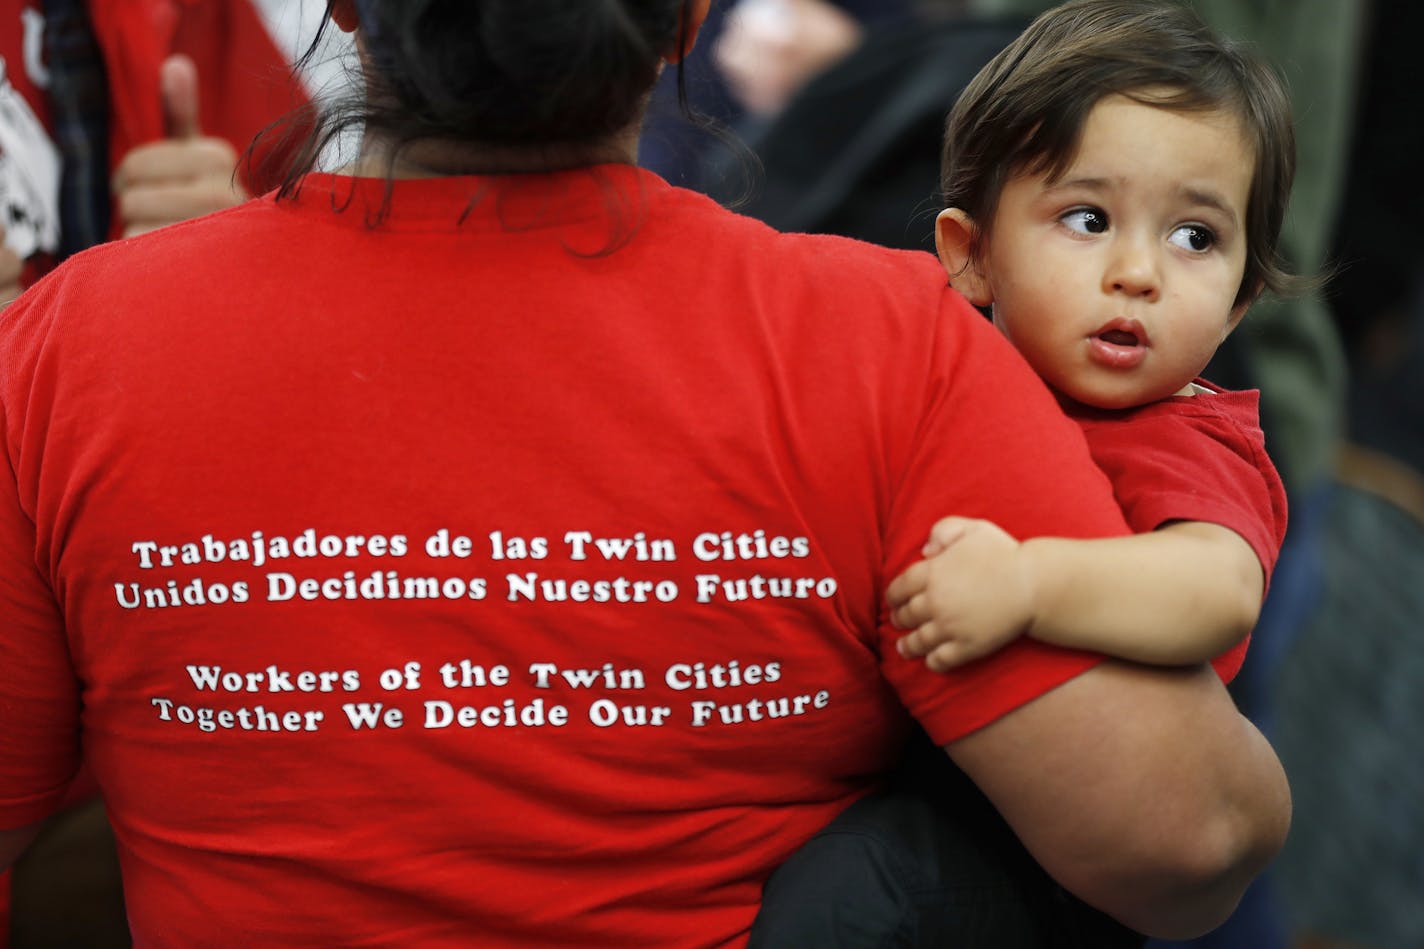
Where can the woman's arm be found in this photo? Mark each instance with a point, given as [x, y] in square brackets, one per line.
[1139, 789]
[1175, 596]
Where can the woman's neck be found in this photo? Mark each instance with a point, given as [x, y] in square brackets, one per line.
[441, 159]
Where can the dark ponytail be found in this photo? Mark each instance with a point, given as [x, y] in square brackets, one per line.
[520, 72]
[546, 76]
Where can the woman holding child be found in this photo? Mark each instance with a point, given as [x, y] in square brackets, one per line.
[604, 486]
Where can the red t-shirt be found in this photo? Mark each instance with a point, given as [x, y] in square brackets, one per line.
[1194, 458]
[491, 575]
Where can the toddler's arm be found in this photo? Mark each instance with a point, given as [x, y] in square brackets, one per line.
[1181, 594]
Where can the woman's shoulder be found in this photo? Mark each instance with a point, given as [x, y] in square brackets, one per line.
[141, 258]
[842, 274]
[818, 256]
[109, 288]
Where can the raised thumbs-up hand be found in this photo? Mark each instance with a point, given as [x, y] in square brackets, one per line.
[182, 176]
[178, 85]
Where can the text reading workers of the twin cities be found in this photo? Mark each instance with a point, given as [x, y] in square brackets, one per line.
[545, 695]
[731, 567]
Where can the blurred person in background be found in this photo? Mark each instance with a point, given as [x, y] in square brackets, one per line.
[753, 58]
[119, 116]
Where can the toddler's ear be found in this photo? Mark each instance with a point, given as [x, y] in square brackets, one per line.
[955, 234]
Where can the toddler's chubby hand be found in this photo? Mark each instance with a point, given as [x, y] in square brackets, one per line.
[972, 594]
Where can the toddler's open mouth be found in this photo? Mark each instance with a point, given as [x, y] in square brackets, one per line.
[1121, 344]
[1118, 337]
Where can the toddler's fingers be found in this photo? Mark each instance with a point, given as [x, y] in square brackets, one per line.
[915, 643]
[913, 613]
[912, 581]
[946, 531]
[949, 655]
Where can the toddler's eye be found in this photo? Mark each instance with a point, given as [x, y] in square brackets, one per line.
[1085, 220]
[1193, 237]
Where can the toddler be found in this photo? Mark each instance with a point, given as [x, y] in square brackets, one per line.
[1115, 184]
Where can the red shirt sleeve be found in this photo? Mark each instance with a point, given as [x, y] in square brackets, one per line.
[1198, 458]
[993, 444]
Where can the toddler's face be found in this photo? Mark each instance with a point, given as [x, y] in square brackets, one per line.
[1118, 281]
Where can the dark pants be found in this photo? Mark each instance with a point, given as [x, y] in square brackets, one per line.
[926, 863]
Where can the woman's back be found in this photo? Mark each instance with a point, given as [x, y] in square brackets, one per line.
[469, 578]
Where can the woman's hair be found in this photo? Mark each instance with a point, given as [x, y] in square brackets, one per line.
[1024, 112]
[546, 77]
